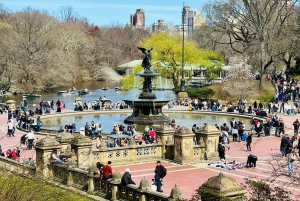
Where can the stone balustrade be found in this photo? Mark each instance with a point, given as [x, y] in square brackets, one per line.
[16, 166]
[134, 153]
[109, 189]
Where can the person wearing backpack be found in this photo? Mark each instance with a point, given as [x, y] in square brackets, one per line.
[160, 172]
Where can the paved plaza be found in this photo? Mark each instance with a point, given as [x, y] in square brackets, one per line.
[189, 177]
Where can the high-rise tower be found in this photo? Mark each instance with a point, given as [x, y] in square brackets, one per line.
[138, 19]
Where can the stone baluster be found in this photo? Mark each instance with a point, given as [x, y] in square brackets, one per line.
[116, 180]
[44, 149]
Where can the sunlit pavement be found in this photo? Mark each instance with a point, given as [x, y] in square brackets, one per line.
[189, 177]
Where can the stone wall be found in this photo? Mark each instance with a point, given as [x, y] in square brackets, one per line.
[15, 166]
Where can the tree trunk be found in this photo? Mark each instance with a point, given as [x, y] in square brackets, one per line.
[262, 80]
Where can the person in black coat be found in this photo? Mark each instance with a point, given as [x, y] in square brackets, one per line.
[126, 178]
[249, 141]
[251, 160]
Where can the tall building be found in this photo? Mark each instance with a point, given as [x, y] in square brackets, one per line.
[159, 26]
[138, 18]
[191, 20]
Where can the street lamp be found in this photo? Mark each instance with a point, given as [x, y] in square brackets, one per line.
[182, 83]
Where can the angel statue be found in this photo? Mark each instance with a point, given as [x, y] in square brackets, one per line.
[147, 59]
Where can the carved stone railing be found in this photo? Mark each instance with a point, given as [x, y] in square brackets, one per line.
[199, 153]
[16, 166]
[121, 155]
[109, 189]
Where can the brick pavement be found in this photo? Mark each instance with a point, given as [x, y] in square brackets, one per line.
[189, 177]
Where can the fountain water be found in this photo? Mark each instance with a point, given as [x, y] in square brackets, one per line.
[147, 109]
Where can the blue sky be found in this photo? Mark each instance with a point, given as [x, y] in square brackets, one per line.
[106, 12]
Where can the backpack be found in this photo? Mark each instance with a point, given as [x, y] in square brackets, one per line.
[163, 172]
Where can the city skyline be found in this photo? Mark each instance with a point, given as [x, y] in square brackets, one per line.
[103, 12]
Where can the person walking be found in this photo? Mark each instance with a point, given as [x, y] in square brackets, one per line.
[291, 158]
[160, 172]
[249, 141]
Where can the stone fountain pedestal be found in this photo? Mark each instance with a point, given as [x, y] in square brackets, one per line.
[147, 109]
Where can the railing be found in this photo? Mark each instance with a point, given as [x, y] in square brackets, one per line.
[16, 166]
[108, 189]
[121, 154]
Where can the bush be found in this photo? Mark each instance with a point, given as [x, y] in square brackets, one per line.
[200, 93]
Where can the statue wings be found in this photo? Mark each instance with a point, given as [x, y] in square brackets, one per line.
[144, 49]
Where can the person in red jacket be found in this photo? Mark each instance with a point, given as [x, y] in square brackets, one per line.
[107, 171]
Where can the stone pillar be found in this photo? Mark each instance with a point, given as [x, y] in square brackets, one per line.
[78, 101]
[166, 135]
[183, 146]
[69, 178]
[43, 149]
[91, 182]
[83, 149]
[175, 194]
[11, 104]
[144, 187]
[116, 180]
[132, 150]
[65, 139]
[209, 136]
[221, 186]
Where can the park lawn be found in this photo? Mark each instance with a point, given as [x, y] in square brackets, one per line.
[265, 96]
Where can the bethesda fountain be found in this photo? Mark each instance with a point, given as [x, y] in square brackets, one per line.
[147, 109]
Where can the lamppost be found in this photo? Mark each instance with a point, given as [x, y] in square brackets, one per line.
[182, 83]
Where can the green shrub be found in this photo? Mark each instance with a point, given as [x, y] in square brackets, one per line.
[201, 93]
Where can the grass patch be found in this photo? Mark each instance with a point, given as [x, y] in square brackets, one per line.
[255, 95]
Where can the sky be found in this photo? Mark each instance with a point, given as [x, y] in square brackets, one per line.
[108, 12]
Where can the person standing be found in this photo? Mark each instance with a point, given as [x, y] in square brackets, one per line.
[38, 124]
[126, 178]
[283, 145]
[93, 129]
[10, 127]
[291, 158]
[296, 125]
[30, 137]
[160, 172]
[221, 150]
[249, 141]
[107, 171]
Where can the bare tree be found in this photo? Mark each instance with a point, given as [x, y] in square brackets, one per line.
[254, 28]
[239, 81]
